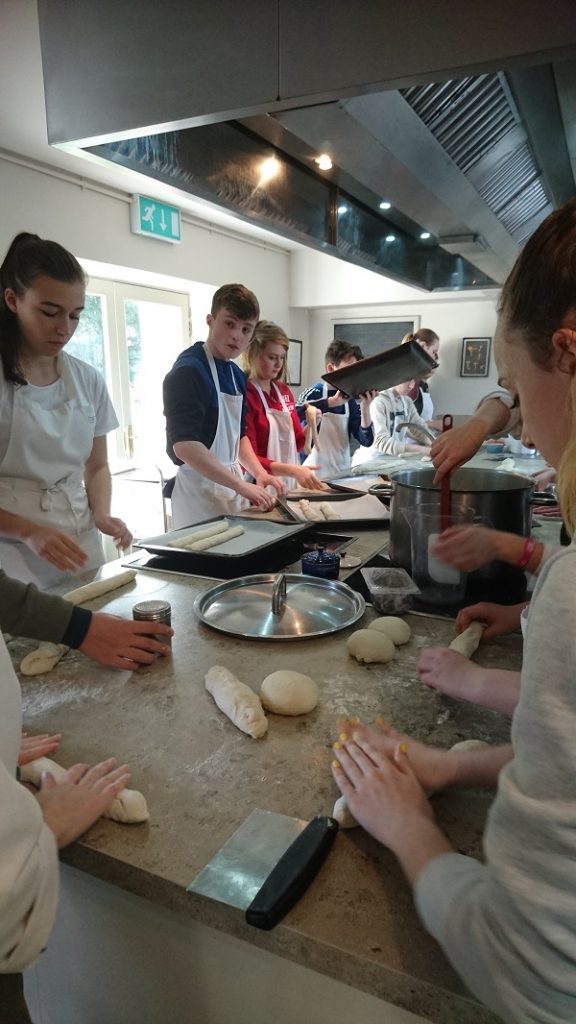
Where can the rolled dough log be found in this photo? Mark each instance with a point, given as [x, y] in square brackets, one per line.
[191, 538]
[289, 693]
[219, 538]
[468, 641]
[99, 587]
[129, 807]
[311, 436]
[43, 659]
[470, 745]
[237, 701]
[343, 814]
[393, 627]
[368, 645]
[313, 515]
[327, 511]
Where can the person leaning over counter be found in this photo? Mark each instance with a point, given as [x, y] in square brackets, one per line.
[389, 408]
[55, 412]
[420, 392]
[342, 419]
[205, 410]
[272, 423]
[497, 413]
[508, 926]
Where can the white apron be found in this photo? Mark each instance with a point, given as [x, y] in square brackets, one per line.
[281, 437]
[195, 497]
[41, 477]
[334, 454]
[427, 406]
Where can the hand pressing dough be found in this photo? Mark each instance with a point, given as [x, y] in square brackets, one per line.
[289, 693]
[43, 659]
[368, 645]
[343, 814]
[327, 511]
[220, 538]
[191, 538]
[470, 745]
[99, 587]
[129, 807]
[468, 641]
[393, 627]
[237, 701]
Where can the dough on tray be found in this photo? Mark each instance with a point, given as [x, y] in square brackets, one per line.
[327, 511]
[393, 627]
[214, 540]
[369, 645]
[309, 512]
[191, 538]
[469, 640]
[99, 587]
[129, 807]
[241, 705]
[286, 692]
[43, 659]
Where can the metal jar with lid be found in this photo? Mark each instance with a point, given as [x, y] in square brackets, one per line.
[154, 611]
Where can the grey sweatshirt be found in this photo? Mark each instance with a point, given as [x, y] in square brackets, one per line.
[509, 928]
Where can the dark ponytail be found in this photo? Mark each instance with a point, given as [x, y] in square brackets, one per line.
[27, 258]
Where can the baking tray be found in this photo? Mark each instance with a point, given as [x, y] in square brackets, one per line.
[394, 366]
[361, 510]
[335, 492]
[258, 535]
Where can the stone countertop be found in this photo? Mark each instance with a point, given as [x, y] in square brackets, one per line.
[202, 778]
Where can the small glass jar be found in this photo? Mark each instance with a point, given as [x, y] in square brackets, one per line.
[154, 611]
[322, 564]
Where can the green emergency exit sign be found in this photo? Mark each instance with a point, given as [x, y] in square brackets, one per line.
[157, 220]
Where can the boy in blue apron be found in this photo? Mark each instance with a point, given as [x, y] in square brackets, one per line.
[341, 420]
[205, 409]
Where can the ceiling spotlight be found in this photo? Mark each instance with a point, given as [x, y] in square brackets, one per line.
[424, 235]
[390, 238]
[342, 209]
[384, 205]
[324, 162]
[269, 169]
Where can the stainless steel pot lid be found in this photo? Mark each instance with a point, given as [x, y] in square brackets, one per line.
[283, 607]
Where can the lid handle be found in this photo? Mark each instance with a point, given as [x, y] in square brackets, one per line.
[279, 594]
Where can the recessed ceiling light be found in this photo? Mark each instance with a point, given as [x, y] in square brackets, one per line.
[424, 235]
[324, 162]
[384, 205]
[342, 209]
[390, 238]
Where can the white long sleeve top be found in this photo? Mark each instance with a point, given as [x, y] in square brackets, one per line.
[28, 853]
[386, 410]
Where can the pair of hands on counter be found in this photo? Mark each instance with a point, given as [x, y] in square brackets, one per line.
[72, 806]
[60, 550]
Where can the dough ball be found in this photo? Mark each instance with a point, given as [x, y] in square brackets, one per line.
[393, 627]
[43, 659]
[367, 645]
[288, 693]
[470, 745]
[129, 807]
[343, 814]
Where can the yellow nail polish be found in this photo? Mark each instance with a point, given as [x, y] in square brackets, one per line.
[355, 736]
[336, 764]
[343, 737]
[404, 748]
[337, 746]
[355, 721]
[380, 720]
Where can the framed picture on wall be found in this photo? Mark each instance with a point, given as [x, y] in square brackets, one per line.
[294, 362]
[475, 357]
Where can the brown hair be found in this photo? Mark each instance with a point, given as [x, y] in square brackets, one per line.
[265, 331]
[337, 351]
[29, 257]
[238, 299]
[424, 336]
[538, 293]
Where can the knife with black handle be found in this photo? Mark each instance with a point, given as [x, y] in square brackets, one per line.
[293, 873]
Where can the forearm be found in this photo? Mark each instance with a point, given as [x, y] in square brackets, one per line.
[14, 526]
[98, 484]
[418, 844]
[493, 415]
[480, 767]
[249, 459]
[199, 457]
[27, 611]
[498, 689]
[511, 548]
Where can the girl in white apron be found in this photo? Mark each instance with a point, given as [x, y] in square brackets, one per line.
[333, 456]
[275, 433]
[54, 415]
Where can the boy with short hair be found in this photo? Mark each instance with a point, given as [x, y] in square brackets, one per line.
[205, 409]
[341, 419]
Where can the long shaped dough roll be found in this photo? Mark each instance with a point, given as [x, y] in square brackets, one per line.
[220, 538]
[99, 587]
[241, 705]
[129, 807]
[469, 640]
[191, 538]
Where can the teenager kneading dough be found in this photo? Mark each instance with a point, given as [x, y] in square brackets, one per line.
[205, 409]
[55, 484]
[272, 423]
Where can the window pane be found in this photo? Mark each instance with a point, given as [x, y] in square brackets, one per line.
[87, 342]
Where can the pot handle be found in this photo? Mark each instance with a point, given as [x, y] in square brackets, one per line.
[279, 595]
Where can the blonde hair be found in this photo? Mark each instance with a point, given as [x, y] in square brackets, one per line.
[537, 294]
[264, 332]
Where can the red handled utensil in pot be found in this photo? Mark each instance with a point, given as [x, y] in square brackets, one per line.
[445, 498]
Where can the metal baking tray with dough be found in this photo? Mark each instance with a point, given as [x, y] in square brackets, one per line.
[258, 534]
[365, 509]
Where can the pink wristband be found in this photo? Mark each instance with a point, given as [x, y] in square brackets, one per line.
[527, 552]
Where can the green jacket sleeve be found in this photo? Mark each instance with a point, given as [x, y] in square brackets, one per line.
[27, 611]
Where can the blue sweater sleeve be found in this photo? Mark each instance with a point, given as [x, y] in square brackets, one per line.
[364, 435]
